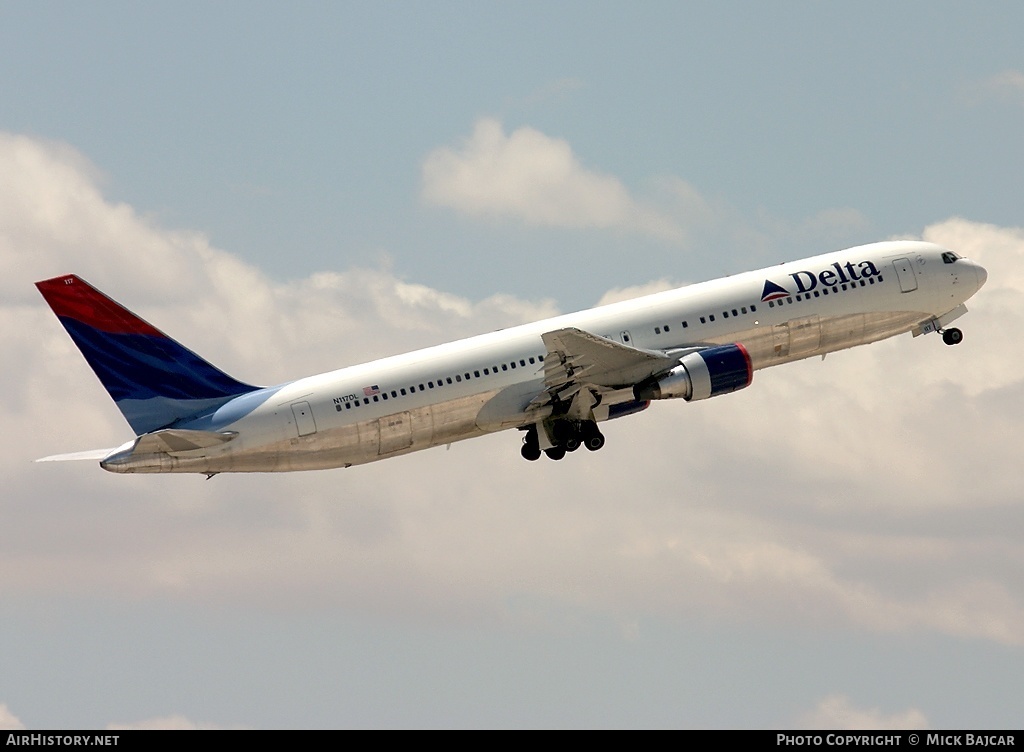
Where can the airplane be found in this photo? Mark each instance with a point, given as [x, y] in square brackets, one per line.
[554, 380]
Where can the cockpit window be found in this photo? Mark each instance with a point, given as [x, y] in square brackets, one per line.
[949, 257]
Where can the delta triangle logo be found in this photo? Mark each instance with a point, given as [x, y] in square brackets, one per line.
[773, 291]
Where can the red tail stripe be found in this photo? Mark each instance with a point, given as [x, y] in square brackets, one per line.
[72, 297]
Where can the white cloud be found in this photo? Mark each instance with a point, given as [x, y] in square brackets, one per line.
[837, 712]
[635, 291]
[877, 489]
[1008, 84]
[166, 723]
[538, 179]
[8, 721]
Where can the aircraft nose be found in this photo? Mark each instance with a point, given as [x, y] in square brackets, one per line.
[981, 274]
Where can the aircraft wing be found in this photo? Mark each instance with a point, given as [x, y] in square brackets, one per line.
[576, 358]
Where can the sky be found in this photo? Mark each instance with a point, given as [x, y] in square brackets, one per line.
[289, 189]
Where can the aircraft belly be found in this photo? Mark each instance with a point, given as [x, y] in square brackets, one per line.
[331, 446]
[805, 337]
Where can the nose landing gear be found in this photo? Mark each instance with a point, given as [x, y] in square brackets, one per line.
[952, 336]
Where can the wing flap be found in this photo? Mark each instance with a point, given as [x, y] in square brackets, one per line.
[576, 356]
[577, 359]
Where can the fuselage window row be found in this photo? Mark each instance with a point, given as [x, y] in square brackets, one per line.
[835, 290]
[533, 359]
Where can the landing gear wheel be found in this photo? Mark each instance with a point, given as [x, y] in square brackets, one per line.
[530, 451]
[555, 453]
[593, 439]
[531, 446]
[952, 336]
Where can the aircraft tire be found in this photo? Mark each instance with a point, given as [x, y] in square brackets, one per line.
[952, 336]
[594, 442]
[530, 452]
[555, 453]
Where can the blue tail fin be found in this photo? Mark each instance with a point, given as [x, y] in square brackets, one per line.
[154, 381]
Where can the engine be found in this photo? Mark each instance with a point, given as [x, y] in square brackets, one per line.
[702, 374]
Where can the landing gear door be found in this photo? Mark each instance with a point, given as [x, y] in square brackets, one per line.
[905, 274]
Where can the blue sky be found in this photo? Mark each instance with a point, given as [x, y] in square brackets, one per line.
[289, 189]
[295, 134]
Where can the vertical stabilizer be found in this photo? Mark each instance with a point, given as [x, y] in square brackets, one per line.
[154, 380]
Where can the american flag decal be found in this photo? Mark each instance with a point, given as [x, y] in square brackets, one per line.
[369, 391]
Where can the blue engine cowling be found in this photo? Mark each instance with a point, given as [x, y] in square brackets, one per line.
[702, 374]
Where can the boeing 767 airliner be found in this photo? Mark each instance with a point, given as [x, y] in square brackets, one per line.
[555, 380]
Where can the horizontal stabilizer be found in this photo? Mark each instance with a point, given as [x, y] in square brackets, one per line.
[88, 454]
[176, 440]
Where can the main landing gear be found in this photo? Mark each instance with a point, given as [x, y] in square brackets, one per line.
[952, 336]
[568, 437]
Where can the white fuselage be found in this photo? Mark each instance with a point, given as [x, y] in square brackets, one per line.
[486, 383]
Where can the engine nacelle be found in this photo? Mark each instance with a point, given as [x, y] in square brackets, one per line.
[702, 374]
